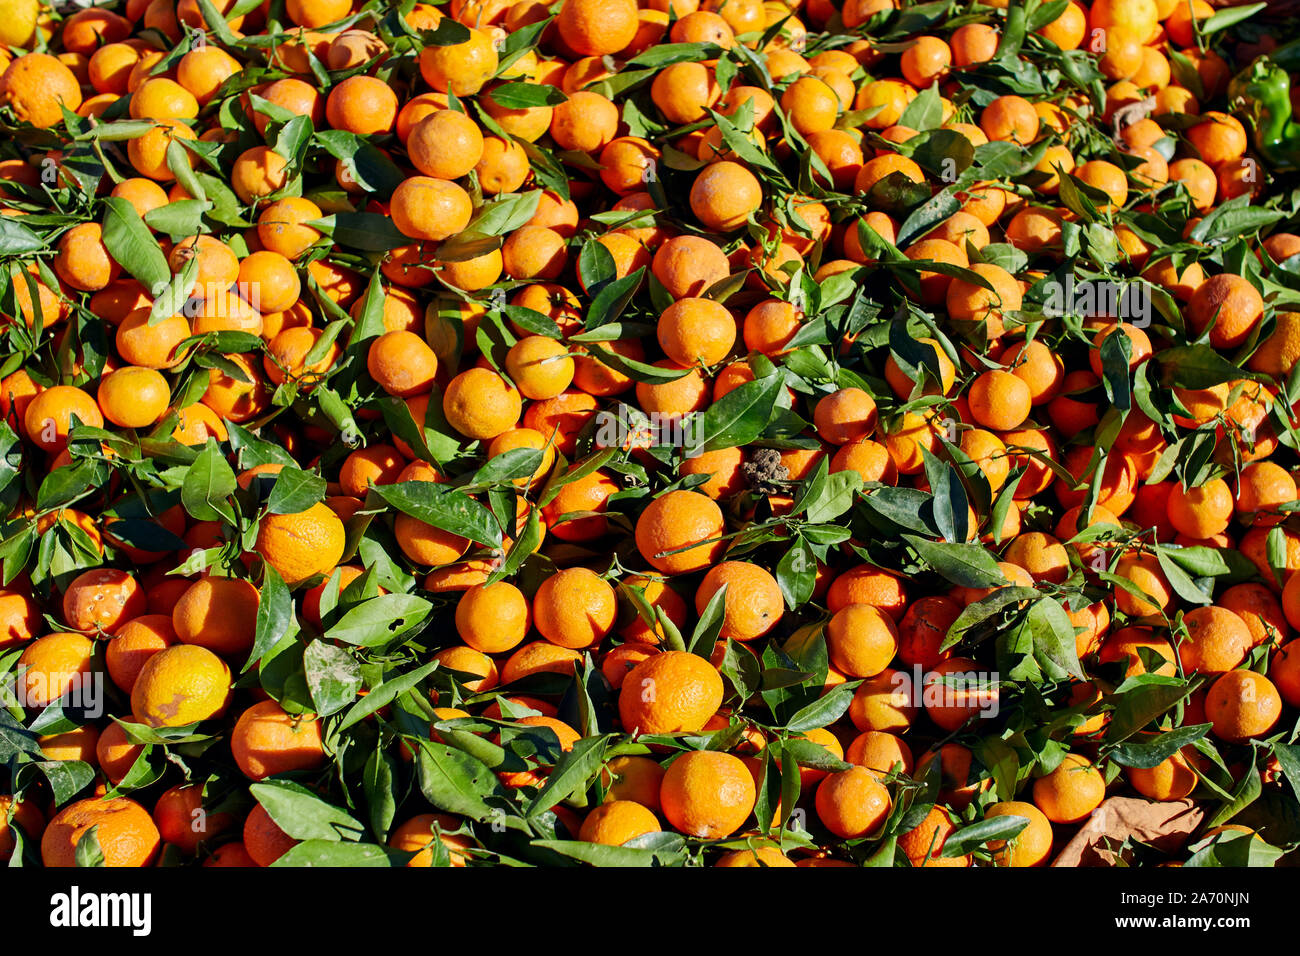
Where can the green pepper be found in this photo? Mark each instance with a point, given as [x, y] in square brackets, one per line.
[1262, 93]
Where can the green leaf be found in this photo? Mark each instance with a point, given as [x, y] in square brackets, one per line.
[531, 321]
[292, 139]
[1222, 19]
[178, 219]
[302, 815]
[929, 214]
[163, 736]
[144, 772]
[1054, 645]
[254, 451]
[900, 507]
[825, 710]
[448, 33]
[612, 298]
[118, 130]
[372, 168]
[942, 268]
[62, 486]
[1150, 752]
[524, 546]
[294, 491]
[1203, 562]
[950, 506]
[88, 852]
[739, 143]
[454, 781]
[966, 564]
[571, 774]
[736, 419]
[741, 667]
[445, 508]
[430, 439]
[274, 615]
[180, 162]
[379, 620]
[507, 467]
[323, 345]
[384, 694]
[638, 371]
[504, 214]
[364, 231]
[1234, 217]
[11, 455]
[1000, 158]
[925, 111]
[709, 626]
[208, 485]
[1196, 366]
[1180, 581]
[836, 497]
[1003, 763]
[1140, 700]
[17, 239]
[1115, 355]
[796, 574]
[522, 96]
[519, 42]
[1044, 13]
[1076, 197]
[596, 266]
[884, 854]
[333, 677]
[475, 744]
[132, 246]
[663, 54]
[975, 835]
[898, 193]
[67, 778]
[1275, 550]
[378, 779]
[618, 856]
[330, 854]
[768, 785]
[791, 777]
[1234, 849]
[806, 753]
[1288, 758]
[467, 245]
[217, 23]
[1247, 791]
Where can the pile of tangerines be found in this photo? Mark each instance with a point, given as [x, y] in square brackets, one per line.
[738, 432]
